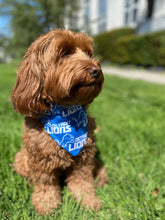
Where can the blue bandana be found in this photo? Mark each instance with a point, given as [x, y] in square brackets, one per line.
[68, 126]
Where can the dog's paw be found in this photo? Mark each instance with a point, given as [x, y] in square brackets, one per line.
[92, 203]
[95, 204]
[21, 163]
[99, 173]
[45, 201]
[43, 207]
[101, 177]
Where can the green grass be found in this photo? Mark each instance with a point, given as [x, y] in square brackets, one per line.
[131, 141]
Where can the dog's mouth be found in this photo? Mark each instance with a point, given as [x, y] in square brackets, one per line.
[88, 84]
[93, 84]
[86, 89]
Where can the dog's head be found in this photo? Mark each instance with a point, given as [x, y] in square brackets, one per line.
[58, 67]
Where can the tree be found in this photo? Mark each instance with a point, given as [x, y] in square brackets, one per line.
[31, 18]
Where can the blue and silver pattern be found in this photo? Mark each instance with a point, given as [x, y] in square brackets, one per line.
[68, 126]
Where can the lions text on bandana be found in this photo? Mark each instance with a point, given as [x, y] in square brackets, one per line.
[68, 126]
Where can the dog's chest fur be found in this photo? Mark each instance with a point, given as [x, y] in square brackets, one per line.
[45, 152]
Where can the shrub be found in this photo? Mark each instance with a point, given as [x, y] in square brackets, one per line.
[143, 50]
[105, 42]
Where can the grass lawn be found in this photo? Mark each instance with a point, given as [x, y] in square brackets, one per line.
[131, 141]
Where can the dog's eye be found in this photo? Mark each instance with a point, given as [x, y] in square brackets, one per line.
[88, 53]
[66, 53]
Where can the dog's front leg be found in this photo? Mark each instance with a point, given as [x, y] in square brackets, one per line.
[47, 192]
[81, 183]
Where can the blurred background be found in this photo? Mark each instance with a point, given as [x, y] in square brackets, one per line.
[129, 113]
[119, 27]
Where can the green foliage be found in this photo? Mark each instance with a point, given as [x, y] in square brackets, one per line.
[131, 142]
[30, 19]
[105, 43]
[143, 50]
[25, 26]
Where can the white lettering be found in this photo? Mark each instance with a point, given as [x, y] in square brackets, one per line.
[70, 110]
[59, 130]
[70, 147]
[68, 128]
[76, 145]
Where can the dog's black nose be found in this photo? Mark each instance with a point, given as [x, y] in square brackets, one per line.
[95, 71]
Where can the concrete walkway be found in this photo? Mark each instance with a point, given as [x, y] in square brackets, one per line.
[136, 74]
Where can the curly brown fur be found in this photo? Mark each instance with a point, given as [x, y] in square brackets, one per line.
[58, 67]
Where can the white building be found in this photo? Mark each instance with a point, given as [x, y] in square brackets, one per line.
[157, 21]
[159, 9]
[96, 16]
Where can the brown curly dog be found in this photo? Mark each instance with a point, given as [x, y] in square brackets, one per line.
[58, 67]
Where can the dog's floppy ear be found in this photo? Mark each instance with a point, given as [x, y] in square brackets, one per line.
[28, 94]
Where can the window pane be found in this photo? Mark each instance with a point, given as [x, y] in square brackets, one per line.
[102, 7]
[134, 14]
[126, 18]
[87, 12]
[127, 3]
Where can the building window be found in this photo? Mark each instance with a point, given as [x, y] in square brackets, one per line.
[102, 27]
[102, 7]
[135, 15]
[126, 18]
[126, 3]
[87, 12]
